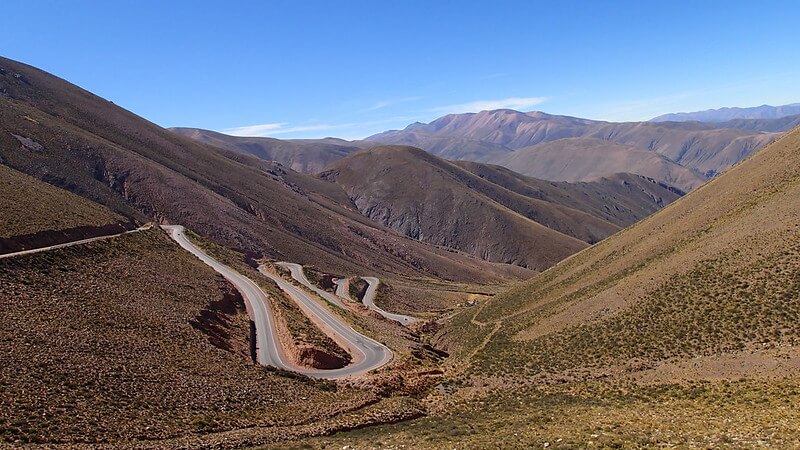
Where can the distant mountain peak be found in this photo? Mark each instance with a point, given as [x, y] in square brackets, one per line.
[732, 113]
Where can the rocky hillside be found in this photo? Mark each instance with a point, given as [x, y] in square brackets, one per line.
[35, 214]
[580, 159]
[485, 210]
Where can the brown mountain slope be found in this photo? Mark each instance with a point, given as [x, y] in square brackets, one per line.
[306, 156]
[779, 125]
[447, 147]
[699, 147]
[622, 199]
[29, 206]
[102, 152]
[582, 159]
[502, 127]
[705, 148]
[34, 214]
[433, 200]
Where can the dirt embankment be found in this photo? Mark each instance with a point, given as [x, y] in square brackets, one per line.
[55, 237]
[226, 323]
[303, 353]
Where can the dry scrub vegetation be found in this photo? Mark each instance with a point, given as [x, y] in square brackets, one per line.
[29, 206]
[741, 414]
[98, 345]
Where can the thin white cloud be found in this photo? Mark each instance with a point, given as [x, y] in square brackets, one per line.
[271, 129]
[492, 76]
[643, 109]
[518, 103]
[389, 102]
[355, 129]
[255, 130]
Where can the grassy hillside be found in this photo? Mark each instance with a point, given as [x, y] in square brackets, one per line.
[680, 330]
[489, 211]
[28, 206]
[713, 272]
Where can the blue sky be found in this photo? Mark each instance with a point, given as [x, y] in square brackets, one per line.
[350, 69]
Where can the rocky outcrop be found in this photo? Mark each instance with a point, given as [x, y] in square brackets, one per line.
[317, 358]
[225, 322]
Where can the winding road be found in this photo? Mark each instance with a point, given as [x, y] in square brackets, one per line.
[369, 301]
[297, 273]
[367, 354]
[342, 290]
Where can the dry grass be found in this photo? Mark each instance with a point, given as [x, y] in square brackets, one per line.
[430, 297]
[29, 206]
[747, 414]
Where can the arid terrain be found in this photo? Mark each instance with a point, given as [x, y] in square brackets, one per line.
[492, 279]
[132, 340]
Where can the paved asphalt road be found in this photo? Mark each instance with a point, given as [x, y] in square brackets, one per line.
[298, 274]
[367, 353]
[369, 301]
[342, 290]
[269, 353]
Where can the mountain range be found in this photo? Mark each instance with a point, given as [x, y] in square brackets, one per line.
[551, 147]
[727, 114]
[496, 136]
[73, 139]
[484, 210]
[300, 155]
